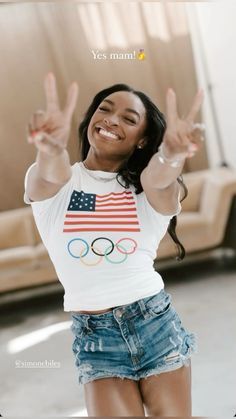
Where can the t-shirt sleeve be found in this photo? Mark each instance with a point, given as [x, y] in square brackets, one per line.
[164, 217]
[49, 211]
[40, 207]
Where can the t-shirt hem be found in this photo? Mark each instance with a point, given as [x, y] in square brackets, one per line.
[116, 303]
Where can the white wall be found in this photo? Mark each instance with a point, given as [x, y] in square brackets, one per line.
[213, 30]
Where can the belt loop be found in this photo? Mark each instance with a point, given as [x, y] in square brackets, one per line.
[143, 309]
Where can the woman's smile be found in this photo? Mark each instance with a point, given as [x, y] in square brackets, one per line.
[107, 133]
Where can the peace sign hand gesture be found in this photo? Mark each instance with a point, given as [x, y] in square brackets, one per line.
[182, 138]
[49, 130]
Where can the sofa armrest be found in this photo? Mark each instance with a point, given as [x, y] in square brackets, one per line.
[217, 194]
[194, 182]
[16, 228]
[216, 200]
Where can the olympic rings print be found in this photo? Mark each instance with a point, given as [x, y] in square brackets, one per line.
[79, 248]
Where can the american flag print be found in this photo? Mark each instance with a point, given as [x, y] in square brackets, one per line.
[115, 211]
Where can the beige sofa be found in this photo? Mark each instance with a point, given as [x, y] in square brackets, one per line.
[24, 261]
[207, 221]
[208, 216]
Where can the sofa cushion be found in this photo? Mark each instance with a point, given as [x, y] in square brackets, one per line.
[17, 257]
[196, 234]
[16, 228]
[41, 255]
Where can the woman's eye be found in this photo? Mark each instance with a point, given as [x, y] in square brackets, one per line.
[130, 120]
[103, 109]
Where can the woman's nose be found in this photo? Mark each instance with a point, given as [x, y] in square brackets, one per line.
[112, 120]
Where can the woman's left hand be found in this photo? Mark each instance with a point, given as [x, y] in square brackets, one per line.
[182, 137]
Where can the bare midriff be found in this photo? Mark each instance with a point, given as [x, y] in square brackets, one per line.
[94, 312]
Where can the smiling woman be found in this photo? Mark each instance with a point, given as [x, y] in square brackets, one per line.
[113, 120]
[139, 125]
[101, 221]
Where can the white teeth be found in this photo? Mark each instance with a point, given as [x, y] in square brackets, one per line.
[108, 134]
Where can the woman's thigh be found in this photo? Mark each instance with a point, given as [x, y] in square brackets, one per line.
[168, 393]
[113, 397]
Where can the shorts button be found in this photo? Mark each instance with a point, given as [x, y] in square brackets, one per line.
[119, 313]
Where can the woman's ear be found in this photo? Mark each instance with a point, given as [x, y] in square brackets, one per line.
[142, 143]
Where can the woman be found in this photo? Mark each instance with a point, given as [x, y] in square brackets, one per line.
[101, 221]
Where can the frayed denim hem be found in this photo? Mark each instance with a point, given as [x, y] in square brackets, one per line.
[87, 379]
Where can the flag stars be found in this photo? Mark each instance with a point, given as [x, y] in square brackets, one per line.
[81, 201]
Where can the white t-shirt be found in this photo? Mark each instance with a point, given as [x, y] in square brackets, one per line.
[102, 239]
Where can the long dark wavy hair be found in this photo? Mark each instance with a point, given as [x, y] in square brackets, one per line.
[130, 171]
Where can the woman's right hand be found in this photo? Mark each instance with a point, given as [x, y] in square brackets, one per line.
[49, 130]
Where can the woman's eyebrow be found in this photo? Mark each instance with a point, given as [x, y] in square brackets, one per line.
[126, 109]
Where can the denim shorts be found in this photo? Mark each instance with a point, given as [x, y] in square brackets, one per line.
[131, 341]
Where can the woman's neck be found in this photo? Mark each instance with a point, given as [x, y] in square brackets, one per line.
[105, 166]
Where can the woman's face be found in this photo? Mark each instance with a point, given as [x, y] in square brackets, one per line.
[118, 124]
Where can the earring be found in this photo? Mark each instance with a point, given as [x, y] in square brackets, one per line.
[139, 146]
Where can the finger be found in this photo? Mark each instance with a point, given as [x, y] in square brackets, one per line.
[191, 148]
[197, 137]
[31, 123]
[199, 126]
[30, 126]
[171, 109]
[183, 140]
[197, 102]
[31, 129]
[46, 143]
[71, 100]
[33, 135]
[51, 93]
[44, 137]
[192, 151]
[190, 142]
[39, 119]
[34, 125]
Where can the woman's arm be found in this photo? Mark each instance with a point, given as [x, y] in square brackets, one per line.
[48, 176]
[161, 187]
[49, 131]
[181, 140]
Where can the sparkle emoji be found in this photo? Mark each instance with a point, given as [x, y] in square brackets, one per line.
[141, 54]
